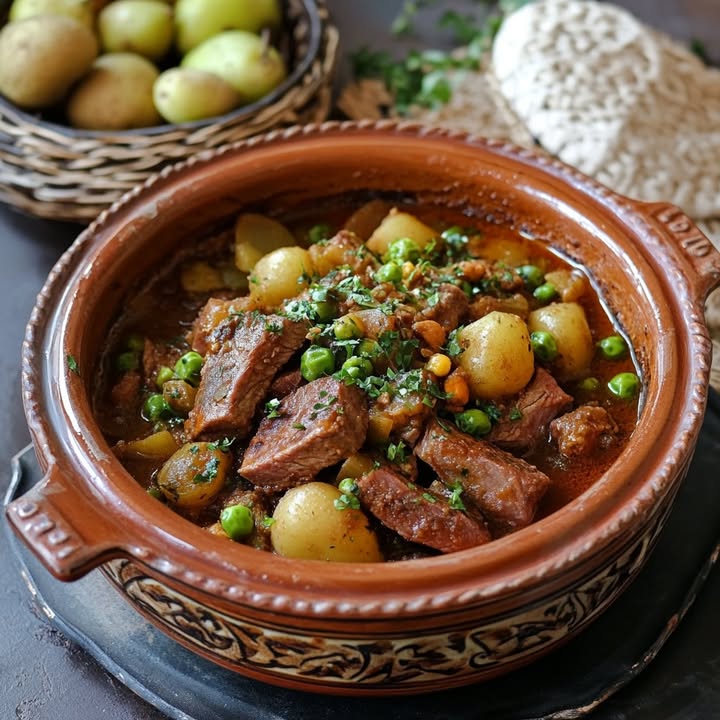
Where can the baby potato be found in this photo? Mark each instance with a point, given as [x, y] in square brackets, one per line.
[571, 285]
[194, 475]
[257, 235]
[185, 95]
[396, 225]
[307, 525]
[567, 323]
[280, 275]
[497, 358]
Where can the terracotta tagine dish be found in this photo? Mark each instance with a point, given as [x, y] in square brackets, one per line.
[352, 329]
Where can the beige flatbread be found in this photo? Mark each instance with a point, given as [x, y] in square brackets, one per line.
[619, 101]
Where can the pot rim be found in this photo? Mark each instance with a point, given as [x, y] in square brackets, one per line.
[567, 540]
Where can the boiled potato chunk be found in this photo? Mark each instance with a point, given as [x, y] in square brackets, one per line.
[257, 235]
[80, 10]
[117, 94]
[280, 275]
[242, 59]
[568, 324]
[193, 476]
[497, 356]
[41, 57]
[396, 225]
[307, 525]
[139, 26]
[185, 95]
[160, 445]
[197, 20]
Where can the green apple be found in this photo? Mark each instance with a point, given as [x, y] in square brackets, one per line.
[241, 58]
[144, 27]
[185, 95]
[81, 10]
[197, 20]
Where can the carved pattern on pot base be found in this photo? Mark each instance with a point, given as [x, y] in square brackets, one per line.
[459, 656]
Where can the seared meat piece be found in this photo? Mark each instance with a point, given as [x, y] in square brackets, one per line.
[450, 308]
[580, 431]
[416, 514]
[236, 378]
[260, 505]
[318, 425]
[155, 356]
[215, 312]
[541, 401]
[344, 249]
[505, 488]
[285, 383]
[485, 304]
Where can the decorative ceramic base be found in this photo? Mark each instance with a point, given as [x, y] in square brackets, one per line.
[567, 683]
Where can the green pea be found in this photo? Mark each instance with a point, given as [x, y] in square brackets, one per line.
[545, 293]
[163, 375]
[348, 486]
[624, 385]
[402, 250]
[188, 367]
[357, 367]
[127, 361]
[315, 362]
[368, 348]
[589, 384]
[613, 347]
[389, 272]
[318, 233]
[156, 407]
[237, 521]
[345, 328]
[135, 343]
[544, 345]
[532, 275]
[473, 422]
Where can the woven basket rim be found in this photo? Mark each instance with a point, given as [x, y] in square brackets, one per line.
[315, 35]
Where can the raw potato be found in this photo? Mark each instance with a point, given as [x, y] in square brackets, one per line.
[307, 525]
[257, 235]
[497, 357]
[41, 57]
[197, 20]
[80, 10]
[280, 275]
[194, 475]
[569, 326]
[396, 225]
[139, 26]
[115, 95]
[185, 95]
[243, 59]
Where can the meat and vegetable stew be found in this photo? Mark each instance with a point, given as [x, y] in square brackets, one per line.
[394, 382]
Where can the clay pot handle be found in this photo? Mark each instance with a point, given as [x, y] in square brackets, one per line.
[695, 247]
[39, 518]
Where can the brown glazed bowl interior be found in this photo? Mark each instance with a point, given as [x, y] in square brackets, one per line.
[651, 267]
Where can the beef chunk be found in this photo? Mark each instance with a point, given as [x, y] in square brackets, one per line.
[318, 425]
[581, 430]
[285, 383]
[541, 401]
[505, 488]
[237, 377]
[416, 514]
[204, 336]
[450, 307]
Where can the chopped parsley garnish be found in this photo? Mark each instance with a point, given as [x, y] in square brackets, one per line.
[272, 408]
[209, 473]
[268, 521]
[298, 426]
[515, 414]
[397, 452]
[453, 347]
[455, 499]
[72, 364]
[430, 498]
[222, 445]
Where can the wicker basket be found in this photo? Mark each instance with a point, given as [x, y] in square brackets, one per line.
[57, 172]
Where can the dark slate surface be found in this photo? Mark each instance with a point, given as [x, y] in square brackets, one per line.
[44, 676]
